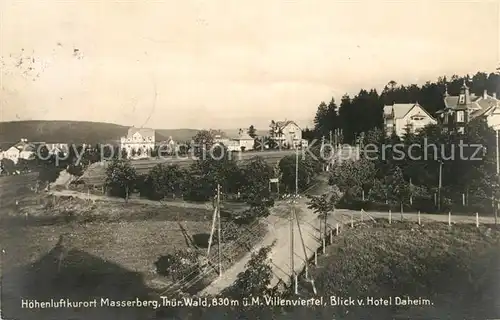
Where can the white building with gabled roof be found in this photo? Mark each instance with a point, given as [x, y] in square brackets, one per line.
[140, 141]
[400, 116]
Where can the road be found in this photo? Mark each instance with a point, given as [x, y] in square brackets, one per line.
[279, 230]
[95, 197]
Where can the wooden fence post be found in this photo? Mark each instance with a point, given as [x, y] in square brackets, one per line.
[352, 220]
[296, 285]
[331, 236]
[390, 216]
[418, 217]
[324, 245]
[316, 258]
[477, 219]
[337, 228]
[449, 218]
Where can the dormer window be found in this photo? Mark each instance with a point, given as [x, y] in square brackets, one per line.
[461, 99]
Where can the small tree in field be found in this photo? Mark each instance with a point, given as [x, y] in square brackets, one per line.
[400, 189]
[323, 206]
[121, 177]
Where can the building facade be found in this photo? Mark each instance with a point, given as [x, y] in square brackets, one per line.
[461, 109]
[140, 142]
[240, 142]
[286, 134]
[400, 117]
[21, 150]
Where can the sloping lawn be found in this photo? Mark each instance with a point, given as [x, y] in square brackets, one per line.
[457, 269]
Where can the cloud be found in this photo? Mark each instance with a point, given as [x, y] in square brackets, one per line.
[221, 62]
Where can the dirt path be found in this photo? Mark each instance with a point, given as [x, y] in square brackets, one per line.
[95, 197]
[279, 230]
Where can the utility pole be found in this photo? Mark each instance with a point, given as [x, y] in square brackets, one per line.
[296, 171]
[440, 184]
[292, 236]
[219, 230]
[498, 175]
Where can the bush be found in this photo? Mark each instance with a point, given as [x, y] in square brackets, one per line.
[182, 264]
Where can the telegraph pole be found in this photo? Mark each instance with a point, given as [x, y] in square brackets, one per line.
[292, 236]
[219, 230]
[498, 175]
[440, 183]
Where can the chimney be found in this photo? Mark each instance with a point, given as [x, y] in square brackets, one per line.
[485, 94]
[494, 95]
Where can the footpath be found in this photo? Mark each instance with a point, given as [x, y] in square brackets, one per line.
[279, 231]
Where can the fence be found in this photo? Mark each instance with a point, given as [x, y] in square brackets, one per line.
[459, 203]
[349, 219]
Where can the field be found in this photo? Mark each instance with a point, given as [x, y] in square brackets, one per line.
[16, 187]
[95, 174]
[457, 269]
[110, 248]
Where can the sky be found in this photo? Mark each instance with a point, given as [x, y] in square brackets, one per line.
[226, 63]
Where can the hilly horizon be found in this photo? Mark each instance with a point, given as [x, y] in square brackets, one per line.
[54, 131]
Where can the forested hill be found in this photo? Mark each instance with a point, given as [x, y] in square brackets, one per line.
[75, 132]
[364, 111]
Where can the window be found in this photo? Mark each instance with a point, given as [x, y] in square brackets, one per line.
[460, 116]
[461, 99]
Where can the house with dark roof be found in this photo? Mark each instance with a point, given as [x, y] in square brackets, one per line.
[400, 117]
[240, 142]
[461, 109]
[139, 142]
[286, 134]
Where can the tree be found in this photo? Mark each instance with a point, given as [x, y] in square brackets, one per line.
[256, 279]
[308, 168]
[42, 155]
[121, 178]
[162, 180]
[255, 183]
[323, 205]
[354, 177]
[399, 188]
[203, 142]
[252, 132]
[123, 153]
[180, 265]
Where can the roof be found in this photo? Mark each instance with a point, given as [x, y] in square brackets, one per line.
[146, 132]
[402, 109]
[479, 105]
[451, 102]
[6, 145]
[486, 105]
[243, 136]
[23, 146]
[282, 124]
[388, 111]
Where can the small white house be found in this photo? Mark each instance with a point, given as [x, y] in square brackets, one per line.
[400, 116]
[21, 150]
[240, 142]
[286, 133]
